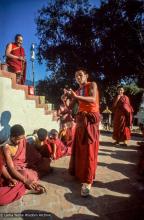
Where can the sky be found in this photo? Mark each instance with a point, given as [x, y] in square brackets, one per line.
[17, 17]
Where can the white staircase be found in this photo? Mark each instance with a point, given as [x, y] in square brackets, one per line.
[22, 108]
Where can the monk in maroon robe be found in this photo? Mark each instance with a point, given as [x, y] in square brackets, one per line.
[122, 110]
[63, 133]
[70, 133]
[67, 136]
[57, 148]
[10, 188]
[49, 146]
[14, 154]
[15, 59]
[83, 160]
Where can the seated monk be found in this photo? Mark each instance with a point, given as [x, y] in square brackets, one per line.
[66, 135]
[64, 112]
[49, 146]
[38, 146]
[10, 188]
[63, 133]
[58, 149]
[14, 156]
[40, 141]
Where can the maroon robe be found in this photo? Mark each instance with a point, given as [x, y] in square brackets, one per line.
[38, 160]
[20, 164]
[70, 134]
[61, 149]
[122, 119]
[15, 65]
[83, 160]
[9, 194]
[47, 149]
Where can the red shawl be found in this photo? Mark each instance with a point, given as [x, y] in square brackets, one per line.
[10, 194]
[19, 161]
[83, 160]
[15, 64]
[61, 149]
[123, 112]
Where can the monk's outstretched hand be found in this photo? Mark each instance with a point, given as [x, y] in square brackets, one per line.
[40, 188]
[35, 186]
[12, 182]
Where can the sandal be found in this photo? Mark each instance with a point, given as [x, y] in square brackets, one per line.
[85, 191]
[116, 143]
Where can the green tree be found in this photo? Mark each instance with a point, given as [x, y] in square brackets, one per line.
[119, 27]
[106, 40]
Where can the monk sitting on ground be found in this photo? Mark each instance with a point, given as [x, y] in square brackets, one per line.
[40, 141]
[48, 145]
[58, 149]
[10, 188]
[66, 134]
[14, 155]
[63, 133]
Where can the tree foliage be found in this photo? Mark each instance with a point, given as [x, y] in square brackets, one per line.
[107, 41]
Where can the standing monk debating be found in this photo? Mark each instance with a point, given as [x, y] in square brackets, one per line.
[122, 110]
[15, 59]
[83, 160]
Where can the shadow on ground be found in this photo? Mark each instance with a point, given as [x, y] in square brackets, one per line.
[42, 215]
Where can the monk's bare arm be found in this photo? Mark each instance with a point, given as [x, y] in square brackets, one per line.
[91, 98]
[5, 173]
[8, 52]
[9, 55]
[11, 167]
[54, 147]
[12, 181]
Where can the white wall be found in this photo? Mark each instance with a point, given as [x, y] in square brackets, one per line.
[15, 109]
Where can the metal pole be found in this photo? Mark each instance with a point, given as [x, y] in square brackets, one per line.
[32, 59]
[33, 76]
